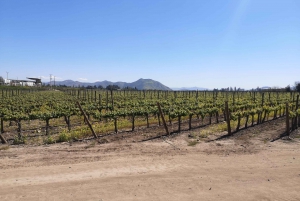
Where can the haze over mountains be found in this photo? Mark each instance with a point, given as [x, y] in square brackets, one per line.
[141, 84]
[190, 89]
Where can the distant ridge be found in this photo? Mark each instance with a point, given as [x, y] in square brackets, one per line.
[141, 84]
[190, 89]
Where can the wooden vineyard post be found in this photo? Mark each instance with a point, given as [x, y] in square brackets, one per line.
[163, 118]
[2, 139]
[112, 99]
[2, 131]
[100, 101]
[106, 99]
[227, 118]
[190, 121]
[287, 119]
[116, 124]
[112, 105]
[133, 120]
[158, 118]
[2, 127]
[86, 119]
[297, 116]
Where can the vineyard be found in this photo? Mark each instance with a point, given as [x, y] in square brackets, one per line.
[58, 116]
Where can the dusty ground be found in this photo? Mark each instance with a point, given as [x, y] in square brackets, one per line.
[246, 166]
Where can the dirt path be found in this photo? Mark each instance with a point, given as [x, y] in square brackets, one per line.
[152, 171]
[244, 167]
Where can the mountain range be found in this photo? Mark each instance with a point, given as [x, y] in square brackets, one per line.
[141, 84]
[190, 89]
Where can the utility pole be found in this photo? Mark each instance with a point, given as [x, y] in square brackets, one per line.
[54, 81]
[50, 80]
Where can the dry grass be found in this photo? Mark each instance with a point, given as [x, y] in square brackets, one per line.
[92, 144]
[210, 130]
[34, 130]
[5, 147]
[193, 142]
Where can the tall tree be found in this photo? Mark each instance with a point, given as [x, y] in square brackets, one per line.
[1, 80]
[297, 86]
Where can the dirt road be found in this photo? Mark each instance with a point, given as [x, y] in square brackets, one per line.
[223, 170]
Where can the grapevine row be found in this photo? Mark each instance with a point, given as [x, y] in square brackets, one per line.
[113, 105]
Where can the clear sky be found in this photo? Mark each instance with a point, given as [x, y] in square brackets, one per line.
[186, 43]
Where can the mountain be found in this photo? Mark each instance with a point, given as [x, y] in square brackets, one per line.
[190, 89]
[266, 87]
[141, 84]
[149, 84]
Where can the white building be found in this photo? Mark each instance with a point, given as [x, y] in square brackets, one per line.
[7, 81]
[30, 83]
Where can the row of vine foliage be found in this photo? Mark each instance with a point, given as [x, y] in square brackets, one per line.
[253, 107]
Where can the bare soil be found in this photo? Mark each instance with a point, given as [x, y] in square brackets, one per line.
[245, 166]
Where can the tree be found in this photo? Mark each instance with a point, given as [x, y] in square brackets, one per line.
[129, 88]
[112, 87]
[288, 88]
[297, 86]
[1, 80]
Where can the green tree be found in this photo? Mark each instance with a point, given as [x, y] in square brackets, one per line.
[1, 80]
[112, 87]
[297, 86]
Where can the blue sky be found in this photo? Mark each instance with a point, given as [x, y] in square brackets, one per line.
[203, 43]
